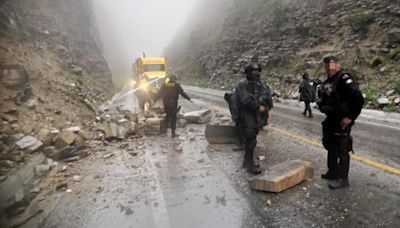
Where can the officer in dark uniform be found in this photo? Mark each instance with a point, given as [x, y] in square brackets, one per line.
[341, 101]
[169, 93]
[254, 102]
[306, 93]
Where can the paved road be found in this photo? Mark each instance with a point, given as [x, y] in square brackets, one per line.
[184, 182]
[374, 139]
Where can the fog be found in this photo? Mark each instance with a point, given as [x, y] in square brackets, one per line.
[130, 27]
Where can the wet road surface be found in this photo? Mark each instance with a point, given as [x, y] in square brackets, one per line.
[184, 182]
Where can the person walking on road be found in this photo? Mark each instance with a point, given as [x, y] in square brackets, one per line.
[307, 94]
[169, 93]
[341, 101]
[254, 103]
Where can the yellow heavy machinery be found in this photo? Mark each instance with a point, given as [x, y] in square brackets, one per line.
[149, 75]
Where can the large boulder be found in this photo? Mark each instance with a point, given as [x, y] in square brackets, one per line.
[29, 143]
[198, 117]
[14, 76]
[393, 36]
[64, 139]
[153, 126]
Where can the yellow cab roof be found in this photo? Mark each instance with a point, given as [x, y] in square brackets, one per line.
[154, 60]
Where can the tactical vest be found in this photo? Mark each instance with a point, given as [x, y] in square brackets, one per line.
[328, 101]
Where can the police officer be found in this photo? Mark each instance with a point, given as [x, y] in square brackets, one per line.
[341, 101]
[254, 102]
[169, 93]
[306, 93]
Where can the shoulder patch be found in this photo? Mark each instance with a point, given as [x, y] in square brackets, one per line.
[349, 81]
[345, 76]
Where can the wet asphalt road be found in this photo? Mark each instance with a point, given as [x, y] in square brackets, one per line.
[184, 182]
[374, 139]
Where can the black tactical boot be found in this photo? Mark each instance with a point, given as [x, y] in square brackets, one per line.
[247, 164]
[339, 183]
[328, 176]
[253, 169]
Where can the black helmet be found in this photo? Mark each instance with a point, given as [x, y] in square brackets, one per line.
[304, 75]
[328, 57]
[252, 66]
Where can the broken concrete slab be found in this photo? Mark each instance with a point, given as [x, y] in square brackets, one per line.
[218, 134]
[282, 176]
[153, 126]
[198, 117]
[64, 139]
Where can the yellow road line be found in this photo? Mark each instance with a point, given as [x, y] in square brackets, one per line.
[353, 156]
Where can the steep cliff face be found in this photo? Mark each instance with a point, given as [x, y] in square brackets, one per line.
[63, 28]
[52, 72]
[287, 37]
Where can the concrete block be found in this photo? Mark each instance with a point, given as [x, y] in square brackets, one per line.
[282, 176]
[198, 117]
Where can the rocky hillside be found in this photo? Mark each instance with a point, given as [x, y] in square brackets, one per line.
[52, 73]
[288, 37]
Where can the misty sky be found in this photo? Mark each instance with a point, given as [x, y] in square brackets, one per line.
[129, 27]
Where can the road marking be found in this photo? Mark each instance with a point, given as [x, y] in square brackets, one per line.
[160, 212]
[353, 156]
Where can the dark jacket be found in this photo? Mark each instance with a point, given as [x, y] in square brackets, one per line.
[170, 92]
[306, 90]
[251, 94]
[340, 97]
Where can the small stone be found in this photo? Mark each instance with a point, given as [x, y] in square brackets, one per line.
[68, 190]
[128, 211]
[62, 185]
[383, 101]
[77, 178]
[73, 129]
[42, 169]
[36, 190]
[261, 158]
[31, 103]
[107, 156]
[269, 202]
[64, 168]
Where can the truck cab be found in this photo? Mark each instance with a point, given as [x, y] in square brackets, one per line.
[150, 75]
[155, 69]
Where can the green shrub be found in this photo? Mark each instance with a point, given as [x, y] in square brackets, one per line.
[309, 29]
[390, 108]
[370, 94]
[202, 82]
[396, 85]
[361, 20]
[395, 54]
[279, 11]
[376, 61]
